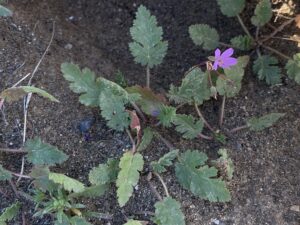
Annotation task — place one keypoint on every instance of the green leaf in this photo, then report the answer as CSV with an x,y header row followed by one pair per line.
x,y
258,124
230,85
133,222
266,68
231,8
168,212
41,179
68,183
146,139
242,42
91,192
120,79
4,174
5,11
9,213
82,82
76,220
194,88
165,161
130,165
293,68
262,13
199,179
225,163
40,153
104,173
186,125
166,115
204,35
148,47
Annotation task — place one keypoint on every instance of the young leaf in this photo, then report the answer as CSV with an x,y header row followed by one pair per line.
x,y
91,192
41,179
68,183
186,125
76,220
128,177
9,213
104,173
266,68
242,42
146,139
194,88
40,153
5,11
133,222
231,8
166,115
262,13
82,82
258,124
120,79
293,68
168,212
4,174
202,34
199,179
15,93
230,85
165,161
225,162
148,47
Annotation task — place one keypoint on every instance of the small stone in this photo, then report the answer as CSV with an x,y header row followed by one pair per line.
x,y
68,46
295,208
215,221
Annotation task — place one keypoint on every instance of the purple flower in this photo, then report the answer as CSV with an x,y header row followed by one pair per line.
x,y
224,60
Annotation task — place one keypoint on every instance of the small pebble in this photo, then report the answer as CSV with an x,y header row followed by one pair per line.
x,y
295,208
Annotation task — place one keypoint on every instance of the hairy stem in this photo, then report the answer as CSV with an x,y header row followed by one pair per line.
x,y
203,136
19,150
148,77
222,111
225,45
276,52
203,119
244,26
239,128
163,183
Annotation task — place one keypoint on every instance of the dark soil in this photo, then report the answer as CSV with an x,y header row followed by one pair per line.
x,y
95,34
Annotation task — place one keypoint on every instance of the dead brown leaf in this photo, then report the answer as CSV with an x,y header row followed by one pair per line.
x,y
297,20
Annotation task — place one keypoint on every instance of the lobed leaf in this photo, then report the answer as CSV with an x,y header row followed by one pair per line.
x,y
168,212
258,124
146,139
147,47
186,125
9,213
5,11
194,88
293,68
242,42
4,174
165,161
199,179
225,162
231,8
130,165
204,35
40,153
41,179
166,116
91,192
104,173
68,183
266,68
262,13
133,222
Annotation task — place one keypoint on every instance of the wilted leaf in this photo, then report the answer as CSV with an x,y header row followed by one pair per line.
x,y
242,42
68,183
262,13
104,173
199,179
5,11
4,174
258,124
204,35
297,20
168,212
130,165
148,47
9,213
146,139
165,161
166,115
187,126
293,68
231,8
40,153
266,68
135,123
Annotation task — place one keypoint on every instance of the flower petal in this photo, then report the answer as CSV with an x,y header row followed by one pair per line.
x,y
217,53
230,61
215,66
227,53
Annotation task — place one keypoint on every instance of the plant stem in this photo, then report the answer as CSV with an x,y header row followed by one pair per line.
x,y
244,26
21,175
139,111
163,183
202,117
222,111
225,45
166,142
132,141
238,129
153,189
276,52
20,150
13,186
205,137
148,77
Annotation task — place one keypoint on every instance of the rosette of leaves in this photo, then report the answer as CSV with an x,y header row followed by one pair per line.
x,y
200,179
293,68
148,47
